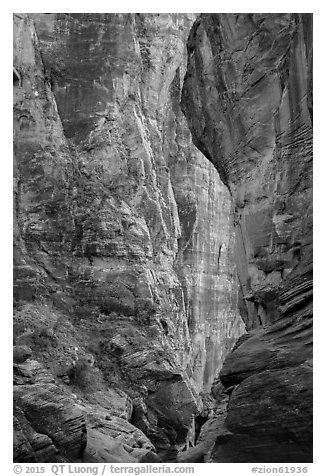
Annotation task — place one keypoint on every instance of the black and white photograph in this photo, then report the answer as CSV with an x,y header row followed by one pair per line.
x,y
162,241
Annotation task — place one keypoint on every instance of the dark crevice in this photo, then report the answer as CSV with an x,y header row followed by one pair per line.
x,y
16,78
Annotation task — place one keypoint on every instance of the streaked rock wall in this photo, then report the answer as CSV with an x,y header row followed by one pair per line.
x,y
248,101
119,248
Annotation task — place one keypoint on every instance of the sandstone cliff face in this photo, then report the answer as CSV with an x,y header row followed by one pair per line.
x,y
125,286
248,100
120,250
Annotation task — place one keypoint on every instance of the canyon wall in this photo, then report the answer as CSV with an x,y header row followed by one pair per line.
x,y
148,235
247,97
125,287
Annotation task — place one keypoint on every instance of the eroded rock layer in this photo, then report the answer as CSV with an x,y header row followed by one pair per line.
x,y
247,97
125,284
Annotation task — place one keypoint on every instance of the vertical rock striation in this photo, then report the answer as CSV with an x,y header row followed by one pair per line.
x,y
205,260
125,282
247,97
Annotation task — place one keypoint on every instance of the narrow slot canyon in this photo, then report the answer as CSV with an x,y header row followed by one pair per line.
x,y
162,238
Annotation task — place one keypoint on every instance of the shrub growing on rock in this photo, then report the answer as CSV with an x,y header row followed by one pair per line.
x,y
84,375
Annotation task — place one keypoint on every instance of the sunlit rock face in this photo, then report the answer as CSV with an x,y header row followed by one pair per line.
x,y
124,237
247,97
205,260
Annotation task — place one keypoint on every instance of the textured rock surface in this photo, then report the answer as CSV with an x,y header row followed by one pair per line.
x,y
49,421
248,101
125,283
274,410
53,424
252,130
114,440
205,260
125,287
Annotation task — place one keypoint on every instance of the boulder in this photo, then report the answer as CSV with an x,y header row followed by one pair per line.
x,y
53,413
21,353
113,440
